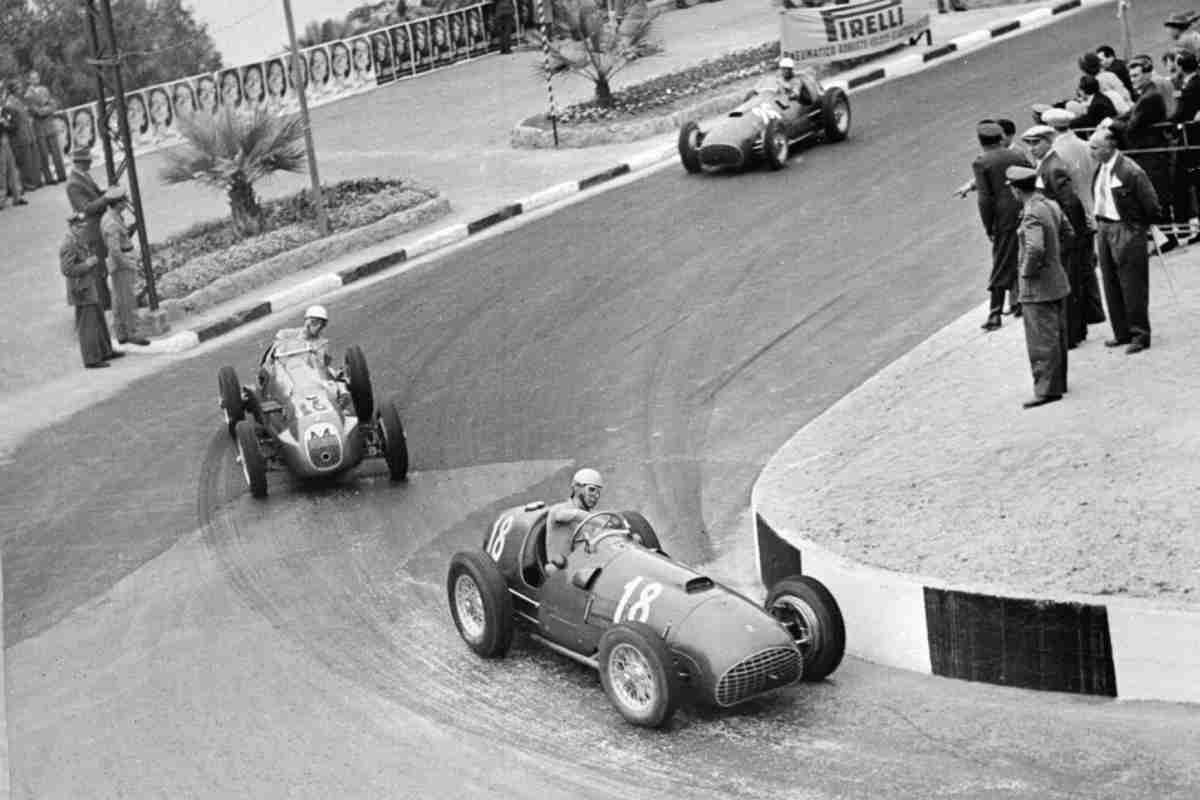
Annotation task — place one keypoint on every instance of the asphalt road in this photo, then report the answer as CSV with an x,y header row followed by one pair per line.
x,y
167,636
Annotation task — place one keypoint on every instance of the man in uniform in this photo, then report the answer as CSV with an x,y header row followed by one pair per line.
x,y
122,266
88,199
999,211
79,265
43,105
564,517
1043,232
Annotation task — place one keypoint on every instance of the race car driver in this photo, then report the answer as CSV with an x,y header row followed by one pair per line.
x,y
315,320
564,517
786,82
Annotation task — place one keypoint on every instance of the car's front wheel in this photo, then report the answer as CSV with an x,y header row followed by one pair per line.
x,y
254,466
359,379
638,674
689,146
775,145
395,446
480,603
810,613
836,113
232,404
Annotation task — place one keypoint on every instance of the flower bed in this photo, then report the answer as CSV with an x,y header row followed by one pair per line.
x,y
210,250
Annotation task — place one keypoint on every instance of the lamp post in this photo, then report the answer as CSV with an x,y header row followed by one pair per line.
x,y
315,179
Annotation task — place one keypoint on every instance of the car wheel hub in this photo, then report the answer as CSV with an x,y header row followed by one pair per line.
x,y
801,621
780,144
630,677
241,459
841,118
469,604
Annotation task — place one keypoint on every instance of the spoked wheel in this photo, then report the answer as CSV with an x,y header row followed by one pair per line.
x,y
810,613
837,115
775,145
638,674
480,603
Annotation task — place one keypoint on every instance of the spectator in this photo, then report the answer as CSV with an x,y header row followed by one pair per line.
x,y
87,198
1000,213
1110,84
43,106
1142,133
24,139
10,174
1097,106
1161,82
506,13
1183,36
1109,61
1043,231
1123,220
1186,162
122,266
81,268
1054,182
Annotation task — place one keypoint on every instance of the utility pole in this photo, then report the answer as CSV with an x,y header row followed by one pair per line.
x,y
1126,34
315,179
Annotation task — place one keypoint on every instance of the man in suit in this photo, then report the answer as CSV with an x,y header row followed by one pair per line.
x,y
1044,229
1000,213
1125,205
81,267
1109,61
1054,182
90,200
1187,165
506,19
1141,132
43,105
1097,106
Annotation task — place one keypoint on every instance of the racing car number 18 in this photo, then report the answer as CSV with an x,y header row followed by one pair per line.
x,y
639,611
500,531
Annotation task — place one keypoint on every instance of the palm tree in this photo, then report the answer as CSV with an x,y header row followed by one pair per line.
x,y
585,41
234,150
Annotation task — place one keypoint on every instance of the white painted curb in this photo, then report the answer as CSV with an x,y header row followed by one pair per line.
x,y
435,240
972,40
549,196
309,290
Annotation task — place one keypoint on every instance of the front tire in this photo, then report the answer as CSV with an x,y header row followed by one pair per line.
x,y
359,379
395,445
809,611
775,145
836,115
480,603
254,466
232,404
638,674
689,146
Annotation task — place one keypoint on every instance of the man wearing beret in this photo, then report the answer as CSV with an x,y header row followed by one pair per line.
x,y
1043,233
1000,213
1125,205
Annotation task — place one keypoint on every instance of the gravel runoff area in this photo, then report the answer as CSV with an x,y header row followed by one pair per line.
x,y
932,467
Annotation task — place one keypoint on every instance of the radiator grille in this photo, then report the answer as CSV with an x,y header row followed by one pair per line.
x,y
720,155
765,670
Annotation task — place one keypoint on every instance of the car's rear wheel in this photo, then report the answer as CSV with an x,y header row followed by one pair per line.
x,y
811,614
359,379
395,445
254,466
480,603
775,145
690,138
638,674
836,113
232,405
641,526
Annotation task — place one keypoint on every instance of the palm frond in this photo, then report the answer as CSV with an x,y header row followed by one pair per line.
x,y
235,145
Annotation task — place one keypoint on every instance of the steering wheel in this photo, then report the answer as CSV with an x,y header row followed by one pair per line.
x,y
580,536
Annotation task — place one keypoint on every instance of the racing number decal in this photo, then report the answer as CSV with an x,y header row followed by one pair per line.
x,y
638,611
499,533
767,113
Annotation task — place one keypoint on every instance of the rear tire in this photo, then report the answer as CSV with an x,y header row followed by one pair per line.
x,y
811,613
638,674
254,466
836,115
359,379
395,445
689,146
480,603
232,403
775,145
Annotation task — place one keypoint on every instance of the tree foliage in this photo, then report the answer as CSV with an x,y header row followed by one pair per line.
x,y
234,150
160,39
588,42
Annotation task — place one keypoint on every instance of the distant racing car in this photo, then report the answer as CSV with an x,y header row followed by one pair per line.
x,y
655,629
765,127
309,419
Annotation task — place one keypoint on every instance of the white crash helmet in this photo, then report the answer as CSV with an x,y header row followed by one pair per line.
x,y
316,312
587,477
786,63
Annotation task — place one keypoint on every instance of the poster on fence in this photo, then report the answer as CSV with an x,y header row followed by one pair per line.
x,y
841,31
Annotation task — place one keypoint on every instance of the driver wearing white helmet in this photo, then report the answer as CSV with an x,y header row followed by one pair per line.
x,y
786,82
315,320
564,517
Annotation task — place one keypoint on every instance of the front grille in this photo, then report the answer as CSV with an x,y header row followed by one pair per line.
x,y
720,155
325,451
765,670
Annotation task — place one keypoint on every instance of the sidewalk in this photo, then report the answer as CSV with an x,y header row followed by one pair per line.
x,y
463,150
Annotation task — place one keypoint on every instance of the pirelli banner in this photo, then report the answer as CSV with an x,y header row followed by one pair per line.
x,y
844,30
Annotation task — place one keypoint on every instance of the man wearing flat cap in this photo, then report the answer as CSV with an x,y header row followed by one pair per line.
x,y
1125,205
1000,213
1183,35
1043,285
88,198
80,266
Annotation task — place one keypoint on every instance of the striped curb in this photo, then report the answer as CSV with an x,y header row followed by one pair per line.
x,y
187,339
1079,644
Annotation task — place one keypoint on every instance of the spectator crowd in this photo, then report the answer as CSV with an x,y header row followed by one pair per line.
x,y
28,139
1104,178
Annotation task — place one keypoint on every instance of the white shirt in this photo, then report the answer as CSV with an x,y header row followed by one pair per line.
x,y
1105,205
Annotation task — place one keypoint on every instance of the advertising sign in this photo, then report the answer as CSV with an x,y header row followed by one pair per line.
x,y
842,31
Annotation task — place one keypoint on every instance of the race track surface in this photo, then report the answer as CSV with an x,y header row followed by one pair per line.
x,y
168,636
